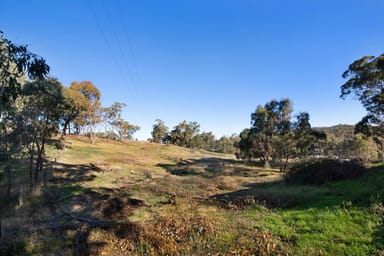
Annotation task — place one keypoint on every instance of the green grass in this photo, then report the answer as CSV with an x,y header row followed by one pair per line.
x,y
333,219
334,231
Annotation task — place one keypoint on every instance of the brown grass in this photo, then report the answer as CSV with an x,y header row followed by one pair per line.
x,y
159,198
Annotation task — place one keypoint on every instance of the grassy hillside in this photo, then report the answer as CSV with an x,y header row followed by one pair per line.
x,y
135,198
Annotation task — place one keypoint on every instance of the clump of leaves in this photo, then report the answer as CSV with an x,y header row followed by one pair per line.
x,y
262,243
171,234
325,171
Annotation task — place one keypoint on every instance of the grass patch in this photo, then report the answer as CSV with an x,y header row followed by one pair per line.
x,y
165,200
332,231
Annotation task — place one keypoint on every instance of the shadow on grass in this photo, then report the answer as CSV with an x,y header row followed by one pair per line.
x,y
62,215
281,194
211,167
358,202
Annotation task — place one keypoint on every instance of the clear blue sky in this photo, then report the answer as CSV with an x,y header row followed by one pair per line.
x,y
210,61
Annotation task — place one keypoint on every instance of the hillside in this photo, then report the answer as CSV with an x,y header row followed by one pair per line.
x,y
338,132
137,198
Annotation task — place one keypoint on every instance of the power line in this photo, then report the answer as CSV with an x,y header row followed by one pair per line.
x,y
119,44
107,42
130,47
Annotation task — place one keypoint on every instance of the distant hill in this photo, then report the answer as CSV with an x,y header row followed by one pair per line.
x,y
339,132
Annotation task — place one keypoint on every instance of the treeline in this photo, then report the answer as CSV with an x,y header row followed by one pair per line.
x,y
35,107
187,134
275,137
347,142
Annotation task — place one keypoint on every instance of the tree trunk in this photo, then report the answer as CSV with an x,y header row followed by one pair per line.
x,y
8,172
65,127
284,167
267,161
31,165
36,173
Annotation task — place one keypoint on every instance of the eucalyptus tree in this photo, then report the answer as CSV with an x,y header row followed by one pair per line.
x,y
74,105
182,134
366,81
122,128
17,64
88,120
275,137
204,140
42,111
159,132
268,123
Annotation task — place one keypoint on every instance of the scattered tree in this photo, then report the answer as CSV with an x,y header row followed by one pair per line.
x,y
41,114
268,123
90,118
227,145
74,105
205,141
159,132
182,134
366,81
17,65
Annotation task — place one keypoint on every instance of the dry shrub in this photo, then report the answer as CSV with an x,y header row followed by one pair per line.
x,y
171,234
164,235
264,244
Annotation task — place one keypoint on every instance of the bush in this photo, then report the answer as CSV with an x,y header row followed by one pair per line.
x,y
325,171
60,145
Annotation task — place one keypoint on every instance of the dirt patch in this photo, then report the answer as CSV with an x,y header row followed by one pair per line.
x,y
117,207
242,202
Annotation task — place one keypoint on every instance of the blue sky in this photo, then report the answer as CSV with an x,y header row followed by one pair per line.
x,y
209,61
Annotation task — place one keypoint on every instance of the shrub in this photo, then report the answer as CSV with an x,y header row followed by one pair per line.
x,y
324,171
60,145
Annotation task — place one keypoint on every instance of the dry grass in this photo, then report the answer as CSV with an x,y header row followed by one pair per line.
x,y
159,197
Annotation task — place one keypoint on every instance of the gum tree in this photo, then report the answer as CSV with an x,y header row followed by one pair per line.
x,y
366,82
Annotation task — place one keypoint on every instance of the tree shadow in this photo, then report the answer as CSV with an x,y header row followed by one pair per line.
x,y
351,194
211,167
280,194
66,210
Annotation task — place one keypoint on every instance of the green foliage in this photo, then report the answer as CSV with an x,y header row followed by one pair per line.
x,y
113,116
365,80
269,122
182,134
204,140
88,120
75,103
159,132
227,145
41,114
346,142
16,64
275,137
325,171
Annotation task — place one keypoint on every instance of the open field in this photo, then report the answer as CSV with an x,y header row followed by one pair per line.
x,y
136,198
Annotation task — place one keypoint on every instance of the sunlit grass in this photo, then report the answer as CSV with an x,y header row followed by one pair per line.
x,y
191,196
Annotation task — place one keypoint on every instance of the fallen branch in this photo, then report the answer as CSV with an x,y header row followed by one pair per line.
x,y
68,223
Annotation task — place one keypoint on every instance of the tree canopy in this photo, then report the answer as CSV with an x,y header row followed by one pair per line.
x,y
274,136
366,81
